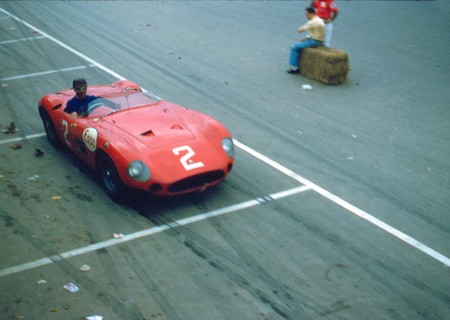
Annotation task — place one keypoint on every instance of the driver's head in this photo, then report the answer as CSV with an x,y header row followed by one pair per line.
x,y
80,87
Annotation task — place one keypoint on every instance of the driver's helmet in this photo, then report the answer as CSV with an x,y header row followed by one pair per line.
x,y
81,82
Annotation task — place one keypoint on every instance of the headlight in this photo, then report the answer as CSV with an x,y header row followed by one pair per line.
x,y
228,147
138,171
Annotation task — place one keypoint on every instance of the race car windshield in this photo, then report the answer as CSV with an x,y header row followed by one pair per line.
x,y
104,106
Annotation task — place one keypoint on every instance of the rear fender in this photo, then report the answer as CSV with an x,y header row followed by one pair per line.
x,y
51,103
126,85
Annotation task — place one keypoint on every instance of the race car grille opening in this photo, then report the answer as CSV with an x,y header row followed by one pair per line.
x,y
196,181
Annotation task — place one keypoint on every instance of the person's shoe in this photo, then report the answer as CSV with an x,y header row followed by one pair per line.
x,y
293,71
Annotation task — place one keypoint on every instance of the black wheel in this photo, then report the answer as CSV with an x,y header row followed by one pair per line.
x,y
110,179
49,127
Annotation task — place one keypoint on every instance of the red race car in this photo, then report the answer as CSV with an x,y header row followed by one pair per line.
x,y
136,140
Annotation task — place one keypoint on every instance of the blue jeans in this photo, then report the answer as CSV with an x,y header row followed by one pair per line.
x,y
296,50
328,33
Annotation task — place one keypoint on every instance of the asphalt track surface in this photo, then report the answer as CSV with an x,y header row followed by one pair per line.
x,y
337,208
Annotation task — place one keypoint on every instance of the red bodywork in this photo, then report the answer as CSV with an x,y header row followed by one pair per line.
x,y
182,148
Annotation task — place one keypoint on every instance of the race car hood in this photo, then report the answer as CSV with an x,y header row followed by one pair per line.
x,y
154,126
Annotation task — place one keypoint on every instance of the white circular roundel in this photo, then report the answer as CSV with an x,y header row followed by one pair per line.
x,y
90,138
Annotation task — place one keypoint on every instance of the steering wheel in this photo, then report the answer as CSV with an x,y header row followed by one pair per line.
x,y
100,102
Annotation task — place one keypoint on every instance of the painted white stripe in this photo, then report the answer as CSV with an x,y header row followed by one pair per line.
x,y
18,139
65,46
147,232
328,195
21,40
349,207
38,74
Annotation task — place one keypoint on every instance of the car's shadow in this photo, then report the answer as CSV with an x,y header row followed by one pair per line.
x,y
154,208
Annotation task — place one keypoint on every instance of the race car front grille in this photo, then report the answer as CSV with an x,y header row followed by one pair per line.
x,y
197,181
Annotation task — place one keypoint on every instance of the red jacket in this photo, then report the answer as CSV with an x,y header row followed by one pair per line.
x,y
325,8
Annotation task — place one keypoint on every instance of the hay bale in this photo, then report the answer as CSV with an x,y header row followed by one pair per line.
x,y
323,64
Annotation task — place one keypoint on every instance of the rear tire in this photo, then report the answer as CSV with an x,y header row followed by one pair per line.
x,y
49,127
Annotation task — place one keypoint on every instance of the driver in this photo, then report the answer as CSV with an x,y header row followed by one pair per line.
x,y
77,106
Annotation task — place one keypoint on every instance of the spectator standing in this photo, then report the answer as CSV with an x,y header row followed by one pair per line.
x,y
327,10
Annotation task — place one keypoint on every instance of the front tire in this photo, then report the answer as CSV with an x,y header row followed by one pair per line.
x,y
110,179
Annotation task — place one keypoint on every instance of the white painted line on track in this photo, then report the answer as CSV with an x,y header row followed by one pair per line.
x,y
18,139
38,74
150,231
328,195
349,207
65,46
21,40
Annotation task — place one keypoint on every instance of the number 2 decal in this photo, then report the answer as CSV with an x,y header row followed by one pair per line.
x,y
65,124
186,160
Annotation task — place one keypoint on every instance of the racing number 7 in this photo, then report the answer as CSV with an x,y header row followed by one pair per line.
x,y
186,160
